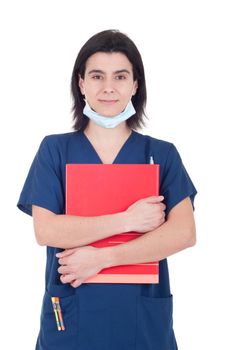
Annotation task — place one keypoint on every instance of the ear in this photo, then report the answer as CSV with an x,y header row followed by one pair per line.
x,y
135,87
81,85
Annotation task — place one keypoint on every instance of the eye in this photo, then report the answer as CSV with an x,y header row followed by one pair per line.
x,y
120,77
97,77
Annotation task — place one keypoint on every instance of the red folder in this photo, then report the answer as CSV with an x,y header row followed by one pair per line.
x,y
100,189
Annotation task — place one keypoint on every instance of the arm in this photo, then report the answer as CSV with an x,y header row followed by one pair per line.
x,y
67,231
176,234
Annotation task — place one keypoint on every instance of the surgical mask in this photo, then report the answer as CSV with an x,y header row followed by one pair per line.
x,y
109,122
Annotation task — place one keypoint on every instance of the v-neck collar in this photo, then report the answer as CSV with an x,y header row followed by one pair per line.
x,y
128,140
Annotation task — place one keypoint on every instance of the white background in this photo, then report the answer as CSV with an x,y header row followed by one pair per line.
x,y
186,48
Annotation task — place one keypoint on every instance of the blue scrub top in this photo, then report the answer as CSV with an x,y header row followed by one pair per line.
x,y
104,316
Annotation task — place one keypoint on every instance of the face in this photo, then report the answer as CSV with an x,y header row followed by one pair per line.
x,y
108,83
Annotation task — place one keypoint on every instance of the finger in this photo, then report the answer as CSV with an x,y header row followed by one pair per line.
x,y
76,283
154,199
67,278
65,270
161,206
63,261
162,221
66,252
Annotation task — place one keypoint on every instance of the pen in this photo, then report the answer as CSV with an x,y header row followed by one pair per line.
x,y
60,314
56,313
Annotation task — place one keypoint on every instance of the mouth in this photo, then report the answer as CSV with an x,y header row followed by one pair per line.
x,y
108,102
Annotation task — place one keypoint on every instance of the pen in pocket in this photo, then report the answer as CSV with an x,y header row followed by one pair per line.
x,y
58,313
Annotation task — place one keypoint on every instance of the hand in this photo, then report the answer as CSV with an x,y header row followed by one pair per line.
x,y
78,264
146,214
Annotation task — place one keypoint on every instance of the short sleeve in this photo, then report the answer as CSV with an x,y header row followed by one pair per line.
x,y
176,184
43,185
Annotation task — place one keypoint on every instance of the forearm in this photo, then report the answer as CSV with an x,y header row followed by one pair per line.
x,y
155,245
66,231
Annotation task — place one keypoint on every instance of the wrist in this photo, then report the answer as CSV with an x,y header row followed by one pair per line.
x,y
108,257
125,222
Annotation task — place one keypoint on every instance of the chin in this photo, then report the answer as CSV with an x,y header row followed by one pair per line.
x,y
108,112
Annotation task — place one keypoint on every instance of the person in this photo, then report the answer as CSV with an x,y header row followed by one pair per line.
x,y
109,98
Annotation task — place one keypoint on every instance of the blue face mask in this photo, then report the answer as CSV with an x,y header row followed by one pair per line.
x,y
109,122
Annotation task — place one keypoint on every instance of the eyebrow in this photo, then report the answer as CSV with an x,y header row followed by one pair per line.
x,y
115,72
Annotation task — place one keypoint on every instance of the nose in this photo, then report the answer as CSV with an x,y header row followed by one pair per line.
x,y
108,87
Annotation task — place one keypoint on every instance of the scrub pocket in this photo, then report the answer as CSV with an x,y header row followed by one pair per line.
x,y
50,338
154,324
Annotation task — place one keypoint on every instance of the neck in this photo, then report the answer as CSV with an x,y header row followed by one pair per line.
x,y
103,135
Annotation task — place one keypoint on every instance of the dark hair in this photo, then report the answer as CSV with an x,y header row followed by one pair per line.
x,y
109,41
